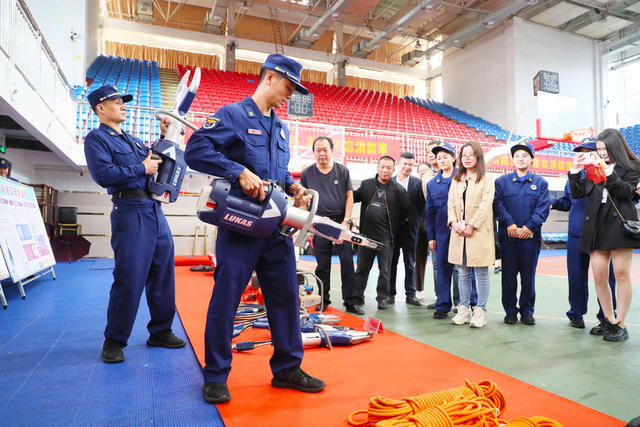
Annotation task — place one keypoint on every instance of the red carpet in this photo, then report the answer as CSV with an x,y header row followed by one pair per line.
x,y
390,365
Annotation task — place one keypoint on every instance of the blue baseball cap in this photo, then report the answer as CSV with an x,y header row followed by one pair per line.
x,y
287,66
588,143
524,145
4,163
106,92
444,146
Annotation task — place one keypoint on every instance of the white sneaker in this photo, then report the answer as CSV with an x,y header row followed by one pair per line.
x,y
479,319
463,316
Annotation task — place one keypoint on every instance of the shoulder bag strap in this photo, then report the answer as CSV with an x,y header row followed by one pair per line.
x,y
614,205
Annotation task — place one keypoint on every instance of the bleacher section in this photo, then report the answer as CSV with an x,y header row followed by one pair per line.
x,y
632,135
137,77
334,105
461,116
561,149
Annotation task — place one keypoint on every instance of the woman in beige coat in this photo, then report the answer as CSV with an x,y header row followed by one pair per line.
x,y
472,240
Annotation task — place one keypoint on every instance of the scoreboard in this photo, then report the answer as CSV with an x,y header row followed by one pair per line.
x,y
300,105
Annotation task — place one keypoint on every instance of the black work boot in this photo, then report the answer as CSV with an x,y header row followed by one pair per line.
x,y
112,352
165,339
298,379
216,393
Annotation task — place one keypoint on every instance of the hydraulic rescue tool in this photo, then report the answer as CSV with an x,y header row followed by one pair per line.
x,y
166,184
225,205
323,336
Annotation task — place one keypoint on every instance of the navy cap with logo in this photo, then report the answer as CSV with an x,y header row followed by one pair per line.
x,y
106,92
444,146
524,145
288,67
4,163
588,143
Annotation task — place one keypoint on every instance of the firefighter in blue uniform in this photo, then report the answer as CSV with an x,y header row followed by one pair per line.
x,y
140,236
5,170
521,205
578,262
438,232
246,143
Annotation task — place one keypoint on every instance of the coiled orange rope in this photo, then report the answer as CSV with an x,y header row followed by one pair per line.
x,y
534,422
476,412
382,408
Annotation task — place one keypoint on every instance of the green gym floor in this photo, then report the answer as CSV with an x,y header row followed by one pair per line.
x,y
551,355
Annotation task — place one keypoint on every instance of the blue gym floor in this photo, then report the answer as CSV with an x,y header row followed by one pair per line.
x,y
51,371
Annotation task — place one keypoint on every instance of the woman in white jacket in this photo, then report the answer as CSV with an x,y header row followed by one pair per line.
x,y
472,239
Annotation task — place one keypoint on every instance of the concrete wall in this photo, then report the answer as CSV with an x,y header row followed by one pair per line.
x,y
478,79
57,19
492,77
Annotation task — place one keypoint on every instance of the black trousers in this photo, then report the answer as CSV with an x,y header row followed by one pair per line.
x,y
365,262
422,252
407,243
323,249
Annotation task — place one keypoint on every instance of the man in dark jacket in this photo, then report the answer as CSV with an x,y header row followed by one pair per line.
x,y
408,233
384,205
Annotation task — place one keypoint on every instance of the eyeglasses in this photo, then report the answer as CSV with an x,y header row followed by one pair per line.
x,y
468,156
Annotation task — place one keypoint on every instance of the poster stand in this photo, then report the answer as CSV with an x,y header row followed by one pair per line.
x,y
25,246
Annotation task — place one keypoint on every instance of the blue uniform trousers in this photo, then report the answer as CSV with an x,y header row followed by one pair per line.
x,y
445,271
519,256
273,260
323,250
143,252
578,273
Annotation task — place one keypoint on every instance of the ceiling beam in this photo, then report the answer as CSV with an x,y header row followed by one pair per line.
x,y
531,11
502,14
581,21
306,36
594,14
364,48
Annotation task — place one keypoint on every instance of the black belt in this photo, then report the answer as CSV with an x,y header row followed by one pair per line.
x,y
131,194
337,219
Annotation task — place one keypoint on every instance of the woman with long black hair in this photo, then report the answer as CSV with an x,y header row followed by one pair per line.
x,y
602,234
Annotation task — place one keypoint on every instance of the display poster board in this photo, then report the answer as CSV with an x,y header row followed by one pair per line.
x,y
4,272
23,237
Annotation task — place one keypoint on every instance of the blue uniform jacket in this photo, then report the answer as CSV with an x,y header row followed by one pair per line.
x,y
436,211
238,137
115,159
521,201
575,208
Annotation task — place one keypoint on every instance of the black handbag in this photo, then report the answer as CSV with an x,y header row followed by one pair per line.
x,y
629,228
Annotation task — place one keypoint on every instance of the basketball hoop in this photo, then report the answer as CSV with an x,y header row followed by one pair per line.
x,y
574,137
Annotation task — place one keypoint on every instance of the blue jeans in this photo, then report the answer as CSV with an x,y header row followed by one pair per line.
x,y
482,284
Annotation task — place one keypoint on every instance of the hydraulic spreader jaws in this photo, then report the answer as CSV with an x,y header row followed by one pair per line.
x,y
228,206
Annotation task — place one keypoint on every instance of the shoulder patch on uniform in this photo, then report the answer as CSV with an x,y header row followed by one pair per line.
x,y
210,123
